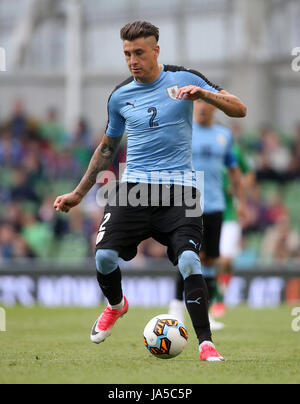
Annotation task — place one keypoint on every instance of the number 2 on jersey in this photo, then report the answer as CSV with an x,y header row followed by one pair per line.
x,y
153,111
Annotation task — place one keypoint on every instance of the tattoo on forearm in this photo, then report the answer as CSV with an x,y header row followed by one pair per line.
x,y
228,103
221,98
79,194
101,160
107,152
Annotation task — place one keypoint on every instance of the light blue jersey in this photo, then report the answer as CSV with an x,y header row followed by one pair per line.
x,y
212,149
158,126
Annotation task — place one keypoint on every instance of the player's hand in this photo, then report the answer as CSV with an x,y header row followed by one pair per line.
x,y
66,202
191,93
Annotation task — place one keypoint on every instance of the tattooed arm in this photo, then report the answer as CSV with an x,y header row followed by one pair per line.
x,y
226,102
102,159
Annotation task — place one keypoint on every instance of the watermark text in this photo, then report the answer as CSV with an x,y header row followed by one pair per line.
x,y
296,322
296,61
2,320
157,188
2,60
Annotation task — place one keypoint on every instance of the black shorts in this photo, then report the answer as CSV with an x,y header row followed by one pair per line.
x,y
123,228
212,224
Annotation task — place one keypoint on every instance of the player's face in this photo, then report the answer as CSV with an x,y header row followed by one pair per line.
x,y
203,112
141,57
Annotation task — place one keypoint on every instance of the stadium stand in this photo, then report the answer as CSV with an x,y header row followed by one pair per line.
x,y
39,160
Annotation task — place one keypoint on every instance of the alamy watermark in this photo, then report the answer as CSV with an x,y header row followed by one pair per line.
x,y
296,61
153,189
2,60
296,322
2,320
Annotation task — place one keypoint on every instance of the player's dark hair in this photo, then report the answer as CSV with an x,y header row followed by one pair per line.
x,y
139,29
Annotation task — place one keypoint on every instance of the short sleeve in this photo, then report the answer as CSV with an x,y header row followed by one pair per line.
x,y
201,81
116,122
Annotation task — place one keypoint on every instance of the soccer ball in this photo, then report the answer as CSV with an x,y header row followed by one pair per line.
x,y
165,336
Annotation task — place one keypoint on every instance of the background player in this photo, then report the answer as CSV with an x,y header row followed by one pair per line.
x,y
231,232
155,107
212,151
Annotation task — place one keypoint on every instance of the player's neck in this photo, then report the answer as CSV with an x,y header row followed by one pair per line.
x,y
153,76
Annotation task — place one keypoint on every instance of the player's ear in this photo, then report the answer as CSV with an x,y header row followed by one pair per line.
x,y
157,50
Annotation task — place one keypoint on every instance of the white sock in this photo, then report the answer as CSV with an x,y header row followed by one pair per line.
x,y
205,343
118,306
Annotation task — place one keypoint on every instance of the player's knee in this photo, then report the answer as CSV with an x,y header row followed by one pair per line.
x,y
107,261
189,264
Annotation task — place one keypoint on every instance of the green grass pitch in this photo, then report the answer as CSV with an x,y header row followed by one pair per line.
x,y
44,345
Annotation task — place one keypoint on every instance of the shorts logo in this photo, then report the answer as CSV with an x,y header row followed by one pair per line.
x,y
193,242
172,91
197,301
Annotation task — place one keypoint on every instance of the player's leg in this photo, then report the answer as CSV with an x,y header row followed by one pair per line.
x,y
183,236
110,281
186,255
177,305
121,230
196,293
230,245
109,275
197,303
210,252
208,255
210,274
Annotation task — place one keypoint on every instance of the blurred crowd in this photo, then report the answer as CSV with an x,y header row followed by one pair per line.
x,y
39,160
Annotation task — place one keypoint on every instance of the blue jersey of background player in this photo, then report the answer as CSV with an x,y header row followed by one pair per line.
x,y
155,108
212,150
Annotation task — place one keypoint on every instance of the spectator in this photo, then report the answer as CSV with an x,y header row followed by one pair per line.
x,y
52,130
280,242
19,124
276,209
257,218
11,150
82,144
21,249
67,166
273,160
22,189
295,160
7,237
82,134
37,234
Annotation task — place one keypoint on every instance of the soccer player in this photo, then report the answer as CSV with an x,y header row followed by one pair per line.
x,y
231,232
155,108
212,151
